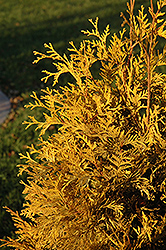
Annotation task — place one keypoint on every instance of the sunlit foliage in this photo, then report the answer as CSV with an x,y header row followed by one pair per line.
x,y
100,182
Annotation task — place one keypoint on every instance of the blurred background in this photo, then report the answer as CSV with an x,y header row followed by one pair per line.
x,y
24,27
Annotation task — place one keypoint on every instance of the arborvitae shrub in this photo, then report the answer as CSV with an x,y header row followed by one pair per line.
x,y
100,182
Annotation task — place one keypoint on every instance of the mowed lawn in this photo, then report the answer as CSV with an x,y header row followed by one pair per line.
x,y
26,25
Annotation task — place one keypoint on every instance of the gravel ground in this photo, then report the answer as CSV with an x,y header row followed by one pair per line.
x,y
5,107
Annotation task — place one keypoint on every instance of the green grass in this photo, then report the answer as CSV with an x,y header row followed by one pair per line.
x,y
27,25
24,27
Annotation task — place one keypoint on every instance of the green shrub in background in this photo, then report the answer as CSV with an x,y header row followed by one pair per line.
x,y
99,183
13,140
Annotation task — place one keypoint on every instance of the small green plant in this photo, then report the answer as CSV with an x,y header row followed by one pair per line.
x,y
100,182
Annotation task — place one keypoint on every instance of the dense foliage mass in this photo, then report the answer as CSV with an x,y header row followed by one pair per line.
x,y
25,25
100,182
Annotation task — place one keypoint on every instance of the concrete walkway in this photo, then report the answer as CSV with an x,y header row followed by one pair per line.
x,y
5,107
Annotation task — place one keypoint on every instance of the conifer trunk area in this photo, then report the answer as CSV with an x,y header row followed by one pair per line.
x,y
99,182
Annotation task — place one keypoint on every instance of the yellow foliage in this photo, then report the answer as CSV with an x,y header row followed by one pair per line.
x,y
99,183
